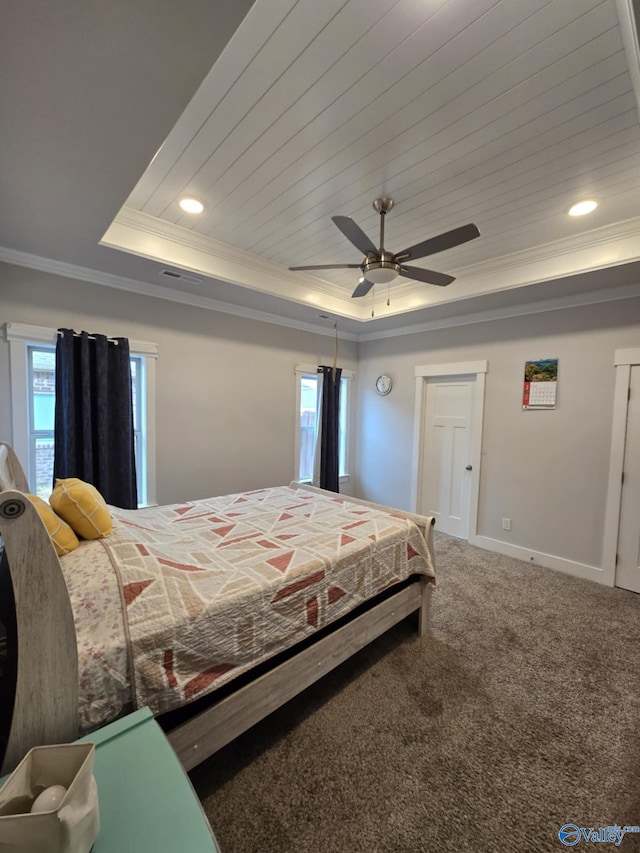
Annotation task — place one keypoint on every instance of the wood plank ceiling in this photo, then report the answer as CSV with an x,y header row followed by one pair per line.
x,y
498,112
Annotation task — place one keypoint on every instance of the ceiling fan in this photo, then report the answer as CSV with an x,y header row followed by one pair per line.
x,y
381,266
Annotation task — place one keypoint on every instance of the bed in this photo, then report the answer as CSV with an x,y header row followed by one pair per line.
x,y
213,613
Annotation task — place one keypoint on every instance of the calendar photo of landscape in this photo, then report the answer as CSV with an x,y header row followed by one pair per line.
x,y
545,370
540,383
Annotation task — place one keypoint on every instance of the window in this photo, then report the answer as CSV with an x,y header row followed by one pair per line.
x,y
33,359
306,410
139,429
41,363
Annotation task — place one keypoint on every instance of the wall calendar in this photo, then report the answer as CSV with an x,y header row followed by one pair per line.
x,y
540,384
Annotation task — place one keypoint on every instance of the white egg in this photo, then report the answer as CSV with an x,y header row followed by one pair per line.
x,y
49,799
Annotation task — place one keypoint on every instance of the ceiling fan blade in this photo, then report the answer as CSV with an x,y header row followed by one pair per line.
x,y
362,289
438,244
355,235
329,267
428,276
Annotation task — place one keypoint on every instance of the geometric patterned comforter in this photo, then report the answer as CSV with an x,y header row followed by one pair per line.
x,y
213,587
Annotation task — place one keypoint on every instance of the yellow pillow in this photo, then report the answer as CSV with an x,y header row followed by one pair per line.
x,y
62,536
83,507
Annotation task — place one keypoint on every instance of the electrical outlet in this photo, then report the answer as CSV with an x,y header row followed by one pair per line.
x,y
506,524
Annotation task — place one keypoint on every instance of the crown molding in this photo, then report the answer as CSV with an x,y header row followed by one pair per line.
x,y
145,235
612,294
23,259
627,229
149,237
588,244
65,270
153,226
593,251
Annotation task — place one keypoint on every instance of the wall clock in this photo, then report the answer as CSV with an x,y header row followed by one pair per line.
x,y
383,384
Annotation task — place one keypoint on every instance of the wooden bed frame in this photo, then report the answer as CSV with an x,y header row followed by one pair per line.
x,y
45,707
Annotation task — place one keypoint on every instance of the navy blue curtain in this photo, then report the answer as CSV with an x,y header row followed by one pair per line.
x,y
94,437
330,428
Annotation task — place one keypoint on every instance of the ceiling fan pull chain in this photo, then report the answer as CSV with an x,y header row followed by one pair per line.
x,y
388,293
373,302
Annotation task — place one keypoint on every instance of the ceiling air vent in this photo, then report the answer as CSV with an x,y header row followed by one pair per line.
x,y
181,276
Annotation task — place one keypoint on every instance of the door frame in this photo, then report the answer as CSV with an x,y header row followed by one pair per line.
x,y
450,371
624,360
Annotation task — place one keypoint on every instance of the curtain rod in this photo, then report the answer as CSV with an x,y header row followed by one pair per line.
x,y
91,337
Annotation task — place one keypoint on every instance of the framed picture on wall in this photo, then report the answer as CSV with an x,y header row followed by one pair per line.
x,y
540,384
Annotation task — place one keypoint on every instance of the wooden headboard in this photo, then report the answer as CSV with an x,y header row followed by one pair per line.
x,y
12,475
46,654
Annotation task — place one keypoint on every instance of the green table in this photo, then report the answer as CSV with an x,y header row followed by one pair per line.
x,y
146,799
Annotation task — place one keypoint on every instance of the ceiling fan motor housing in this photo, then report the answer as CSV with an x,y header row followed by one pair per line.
x,y
381,271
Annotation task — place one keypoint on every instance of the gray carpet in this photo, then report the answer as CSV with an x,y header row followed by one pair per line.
x,y
519,714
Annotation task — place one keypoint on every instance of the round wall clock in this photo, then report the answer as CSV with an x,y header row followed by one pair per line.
x,y
383,384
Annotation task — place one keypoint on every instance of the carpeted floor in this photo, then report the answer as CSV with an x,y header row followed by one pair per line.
x,y
519,714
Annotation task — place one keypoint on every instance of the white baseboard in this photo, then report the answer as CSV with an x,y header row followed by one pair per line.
x,y
569,567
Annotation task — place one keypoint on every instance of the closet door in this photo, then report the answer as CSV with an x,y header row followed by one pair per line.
x,y
628,565
446,473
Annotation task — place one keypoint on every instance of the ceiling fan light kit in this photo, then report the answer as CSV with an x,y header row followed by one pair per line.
x,y
381,272
381,266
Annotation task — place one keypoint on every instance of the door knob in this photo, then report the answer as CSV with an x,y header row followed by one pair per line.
x,y
469,467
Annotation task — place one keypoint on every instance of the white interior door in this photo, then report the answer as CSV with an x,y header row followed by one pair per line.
x,y
628,565
446,456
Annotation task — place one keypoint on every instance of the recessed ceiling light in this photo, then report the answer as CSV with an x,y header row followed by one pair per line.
x,y
191,205
583,207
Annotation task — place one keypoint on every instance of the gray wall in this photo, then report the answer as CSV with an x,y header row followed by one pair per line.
x,y
225,385
546,470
